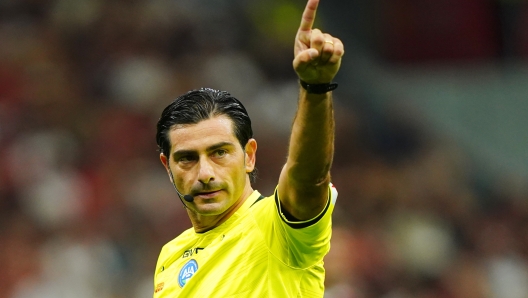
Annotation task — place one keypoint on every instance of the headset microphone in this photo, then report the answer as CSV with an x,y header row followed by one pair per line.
x,y
187,198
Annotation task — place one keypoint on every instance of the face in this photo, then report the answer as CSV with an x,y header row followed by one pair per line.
x,y
208,162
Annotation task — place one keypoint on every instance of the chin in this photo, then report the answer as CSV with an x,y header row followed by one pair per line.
x,y
211,209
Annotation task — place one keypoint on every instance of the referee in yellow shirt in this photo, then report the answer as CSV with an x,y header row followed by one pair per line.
x,y
243,244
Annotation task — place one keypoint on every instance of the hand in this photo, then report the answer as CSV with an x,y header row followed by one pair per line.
x,y
317,54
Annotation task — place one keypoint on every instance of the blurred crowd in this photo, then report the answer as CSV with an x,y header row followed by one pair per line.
x,y
85,205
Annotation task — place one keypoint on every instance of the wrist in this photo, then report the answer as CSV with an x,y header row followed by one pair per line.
x,y
318,88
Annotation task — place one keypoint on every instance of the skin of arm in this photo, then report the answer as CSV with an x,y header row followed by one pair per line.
x,y
303,182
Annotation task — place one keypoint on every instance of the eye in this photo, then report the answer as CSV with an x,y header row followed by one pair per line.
x,y
220,153
186,159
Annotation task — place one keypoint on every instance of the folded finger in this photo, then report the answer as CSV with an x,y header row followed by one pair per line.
x,y
317,39
328,48
338,51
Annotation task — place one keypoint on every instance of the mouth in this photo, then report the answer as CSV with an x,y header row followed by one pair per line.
x,y
208,194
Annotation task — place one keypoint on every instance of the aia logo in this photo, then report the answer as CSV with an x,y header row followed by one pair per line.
x,y
187,271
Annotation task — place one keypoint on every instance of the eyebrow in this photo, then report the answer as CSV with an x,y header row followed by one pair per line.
x,y
208,149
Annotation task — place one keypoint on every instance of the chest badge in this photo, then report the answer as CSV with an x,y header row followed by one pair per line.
x,y
187,271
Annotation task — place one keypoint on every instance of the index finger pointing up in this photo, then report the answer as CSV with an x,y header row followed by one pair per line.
x,y
308,16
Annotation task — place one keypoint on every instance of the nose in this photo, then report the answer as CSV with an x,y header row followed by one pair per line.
x,y
205,171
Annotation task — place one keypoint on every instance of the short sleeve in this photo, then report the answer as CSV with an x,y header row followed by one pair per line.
x,y
299,244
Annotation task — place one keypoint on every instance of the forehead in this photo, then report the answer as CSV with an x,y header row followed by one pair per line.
x,y
201,135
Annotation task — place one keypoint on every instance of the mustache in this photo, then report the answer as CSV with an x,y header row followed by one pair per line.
x,y
209,187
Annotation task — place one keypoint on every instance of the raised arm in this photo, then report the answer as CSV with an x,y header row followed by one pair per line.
x,y
303,183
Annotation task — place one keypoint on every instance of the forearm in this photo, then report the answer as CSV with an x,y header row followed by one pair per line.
x,y
311,146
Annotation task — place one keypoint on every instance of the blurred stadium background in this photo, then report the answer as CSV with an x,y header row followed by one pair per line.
x,y
431,153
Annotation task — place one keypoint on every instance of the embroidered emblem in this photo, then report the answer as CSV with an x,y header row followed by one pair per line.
x,y
159,287
187,271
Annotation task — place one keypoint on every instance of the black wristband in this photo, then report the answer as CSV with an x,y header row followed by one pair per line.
x,y
318,88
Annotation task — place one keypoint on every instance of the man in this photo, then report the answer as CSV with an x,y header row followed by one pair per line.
x,y
243,244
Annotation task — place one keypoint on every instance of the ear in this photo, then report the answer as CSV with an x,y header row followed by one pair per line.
x,y
251,155
165,162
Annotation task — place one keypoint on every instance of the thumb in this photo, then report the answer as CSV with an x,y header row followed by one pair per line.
x,y
304,58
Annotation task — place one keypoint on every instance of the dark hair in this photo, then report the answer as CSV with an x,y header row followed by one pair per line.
x,y
198,105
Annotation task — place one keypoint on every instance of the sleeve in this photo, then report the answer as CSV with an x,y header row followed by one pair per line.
x,y
299,244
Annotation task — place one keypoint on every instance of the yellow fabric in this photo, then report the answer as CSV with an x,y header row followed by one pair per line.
x,y
255,253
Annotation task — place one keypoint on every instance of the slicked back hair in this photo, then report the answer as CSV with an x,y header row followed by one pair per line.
x,y
202,104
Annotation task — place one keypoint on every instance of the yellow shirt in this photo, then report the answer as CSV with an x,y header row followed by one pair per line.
x,y
257,252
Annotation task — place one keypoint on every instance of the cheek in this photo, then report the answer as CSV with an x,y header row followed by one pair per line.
x,y
234,171
238,172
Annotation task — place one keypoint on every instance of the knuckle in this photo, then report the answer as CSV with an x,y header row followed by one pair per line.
x,y
318,39
328,50
317,42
